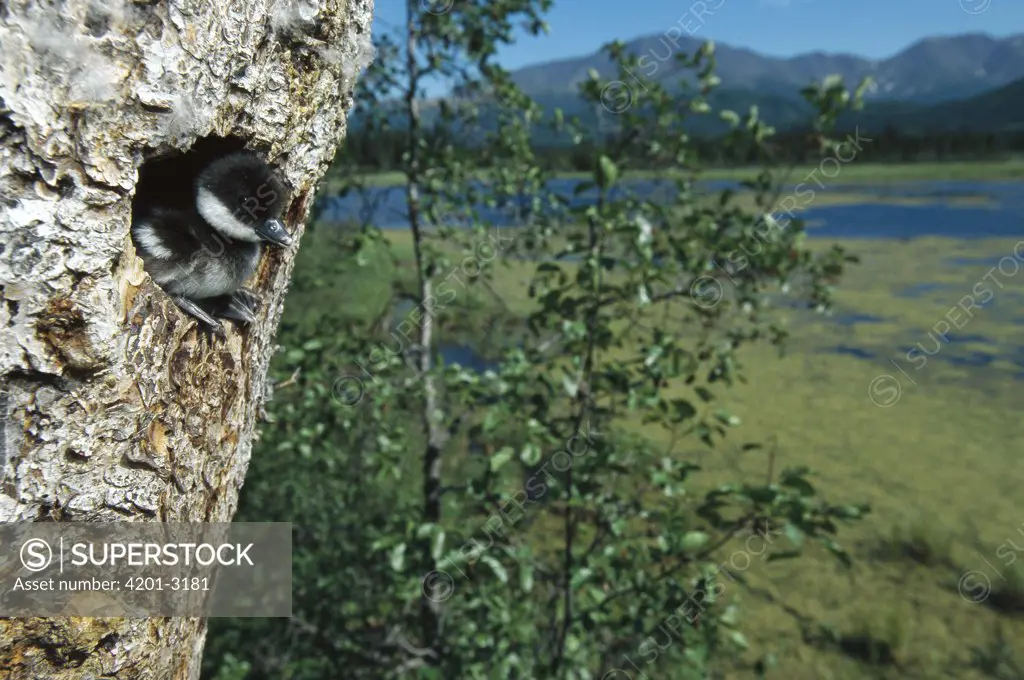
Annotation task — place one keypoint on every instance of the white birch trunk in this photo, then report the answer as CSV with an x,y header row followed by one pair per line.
x,y
113,404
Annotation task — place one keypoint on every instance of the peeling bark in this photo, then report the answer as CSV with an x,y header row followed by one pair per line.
x,y
113,404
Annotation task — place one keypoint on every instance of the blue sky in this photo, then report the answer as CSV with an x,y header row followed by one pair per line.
x,y
871,28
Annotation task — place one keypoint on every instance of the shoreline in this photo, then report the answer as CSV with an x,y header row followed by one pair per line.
x,y
867,173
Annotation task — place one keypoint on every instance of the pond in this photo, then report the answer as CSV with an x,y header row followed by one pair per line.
x,y
467,357
1004,218
941,464
386,208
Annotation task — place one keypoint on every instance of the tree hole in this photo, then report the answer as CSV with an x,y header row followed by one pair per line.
x,y
201,222
170,180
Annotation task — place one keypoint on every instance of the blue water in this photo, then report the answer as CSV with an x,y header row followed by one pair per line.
x,y
854,318
973,261
919,290
972,359
1005,218
970,338
386,208
876,221
466,357
858,352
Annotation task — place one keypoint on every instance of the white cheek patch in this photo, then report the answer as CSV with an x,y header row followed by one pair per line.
x,y
223,219
151,242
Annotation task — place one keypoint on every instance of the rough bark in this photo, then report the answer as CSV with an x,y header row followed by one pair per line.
x,y
113,404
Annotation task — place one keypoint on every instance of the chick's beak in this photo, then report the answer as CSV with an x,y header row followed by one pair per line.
x,y
273,231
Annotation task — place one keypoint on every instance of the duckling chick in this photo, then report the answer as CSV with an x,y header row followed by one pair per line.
x,y
202,253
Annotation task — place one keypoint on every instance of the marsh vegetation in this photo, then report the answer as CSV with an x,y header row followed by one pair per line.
x,y
801,467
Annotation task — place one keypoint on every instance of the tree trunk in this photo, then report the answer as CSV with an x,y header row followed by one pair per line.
x,y
114,405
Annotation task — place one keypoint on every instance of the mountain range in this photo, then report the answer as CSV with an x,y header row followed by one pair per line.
x,y
968,82
929,71
971,83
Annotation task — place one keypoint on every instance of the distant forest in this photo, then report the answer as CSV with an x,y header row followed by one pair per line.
x,y
381,151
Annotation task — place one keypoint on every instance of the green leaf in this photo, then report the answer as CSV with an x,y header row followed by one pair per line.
x,y
580,577
704,394
794,534
783,555
530,454
582,188
847,512
739,639
682,410
491,421
426,529
437,546
726,418
699,106
526,578
501,457
831,81
799,483
607,172
839,552
397,557
862,88
571,385
496,567
694,540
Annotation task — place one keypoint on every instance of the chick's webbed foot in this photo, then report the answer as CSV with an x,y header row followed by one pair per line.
x,y
192,308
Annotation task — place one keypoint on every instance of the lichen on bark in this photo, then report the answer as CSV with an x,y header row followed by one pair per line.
x,y
113,404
